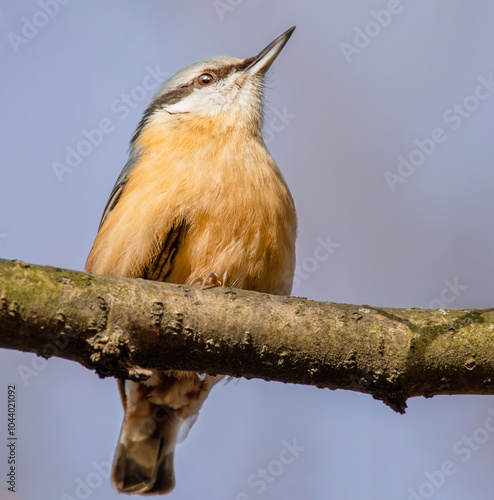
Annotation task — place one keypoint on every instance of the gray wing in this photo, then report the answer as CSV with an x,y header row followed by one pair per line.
x,y
161,264
119,185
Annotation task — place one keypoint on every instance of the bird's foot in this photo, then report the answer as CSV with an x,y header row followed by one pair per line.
x,y
212,279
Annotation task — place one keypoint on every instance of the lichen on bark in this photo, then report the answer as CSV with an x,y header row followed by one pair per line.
x,y
125,327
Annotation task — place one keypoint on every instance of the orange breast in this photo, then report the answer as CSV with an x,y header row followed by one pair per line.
x,y
220,180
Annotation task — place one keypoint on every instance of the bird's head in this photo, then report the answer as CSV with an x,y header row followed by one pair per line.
x,y
214,86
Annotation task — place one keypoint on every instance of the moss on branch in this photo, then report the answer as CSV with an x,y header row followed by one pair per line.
x,y
124,327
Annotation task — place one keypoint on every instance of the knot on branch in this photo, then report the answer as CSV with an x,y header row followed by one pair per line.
x,y
112,355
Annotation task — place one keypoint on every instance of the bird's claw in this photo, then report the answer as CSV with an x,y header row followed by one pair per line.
x,y
212,279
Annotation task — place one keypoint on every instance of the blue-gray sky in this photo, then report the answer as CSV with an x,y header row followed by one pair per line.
x,y
386,143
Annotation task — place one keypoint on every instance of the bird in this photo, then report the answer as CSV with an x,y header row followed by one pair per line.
x,y
201,202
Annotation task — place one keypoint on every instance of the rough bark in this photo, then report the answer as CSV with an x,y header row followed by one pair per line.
x,y
124,327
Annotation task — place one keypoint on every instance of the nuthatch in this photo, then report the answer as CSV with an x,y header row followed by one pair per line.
x,y
200,200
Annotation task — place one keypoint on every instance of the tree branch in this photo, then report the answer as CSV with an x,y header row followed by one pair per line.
x,y
124,327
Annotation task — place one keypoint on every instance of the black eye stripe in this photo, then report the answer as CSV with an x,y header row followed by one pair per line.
x,y
182,91
225,71
232,68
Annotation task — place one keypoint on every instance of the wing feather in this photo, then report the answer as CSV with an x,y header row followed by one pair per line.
x,y
120,184
162,265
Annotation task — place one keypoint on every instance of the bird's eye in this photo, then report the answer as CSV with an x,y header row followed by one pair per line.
x,y
205,79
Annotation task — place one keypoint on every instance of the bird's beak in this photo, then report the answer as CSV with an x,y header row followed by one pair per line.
x,y
265,58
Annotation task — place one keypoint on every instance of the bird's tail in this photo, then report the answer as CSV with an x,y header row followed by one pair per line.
x,y
144,457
